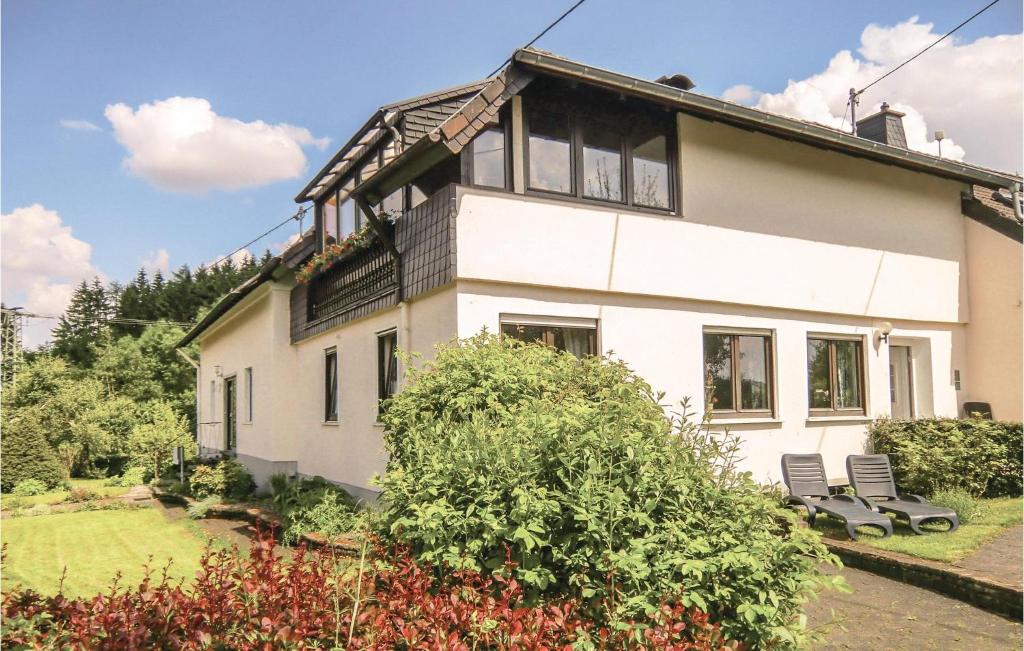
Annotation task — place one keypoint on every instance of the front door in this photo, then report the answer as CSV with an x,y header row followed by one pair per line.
x,y
230,413
901,382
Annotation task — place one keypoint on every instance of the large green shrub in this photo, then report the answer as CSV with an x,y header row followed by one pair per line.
x,y
980,456
24,455
312,505
572,470
228,478
28,488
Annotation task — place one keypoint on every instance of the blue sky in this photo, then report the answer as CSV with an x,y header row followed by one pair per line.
x,y
324,66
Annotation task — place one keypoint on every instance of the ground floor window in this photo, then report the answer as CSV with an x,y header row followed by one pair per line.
x,y
577,336
331,385
387,366
738,375
230,413
835,375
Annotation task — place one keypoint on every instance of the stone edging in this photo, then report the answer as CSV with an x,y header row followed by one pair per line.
x,y
956,582
261,517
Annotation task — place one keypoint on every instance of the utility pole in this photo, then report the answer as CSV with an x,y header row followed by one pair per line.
x,y
854,101
10,343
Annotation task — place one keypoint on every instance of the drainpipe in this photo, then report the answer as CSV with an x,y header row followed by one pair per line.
x,y
195,365
1015,192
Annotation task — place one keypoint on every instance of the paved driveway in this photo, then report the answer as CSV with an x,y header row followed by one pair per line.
x,y
886,614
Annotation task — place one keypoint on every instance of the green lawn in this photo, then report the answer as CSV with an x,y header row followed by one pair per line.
x,y
94,546
56,497
998,514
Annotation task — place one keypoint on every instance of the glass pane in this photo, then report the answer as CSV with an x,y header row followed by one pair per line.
x,y
331,386
650,171
602,163
550,153
753,372
489,159
329,210
348,217
718,371
393,202
818,375
578,341
848,393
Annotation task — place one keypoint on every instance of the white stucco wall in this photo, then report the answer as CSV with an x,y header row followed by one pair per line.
x,y
661,339
995,334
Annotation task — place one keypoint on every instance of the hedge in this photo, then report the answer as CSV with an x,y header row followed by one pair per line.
x,y
930,454
25,454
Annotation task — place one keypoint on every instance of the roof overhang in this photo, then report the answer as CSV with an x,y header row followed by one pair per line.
x,y
748,118
233,298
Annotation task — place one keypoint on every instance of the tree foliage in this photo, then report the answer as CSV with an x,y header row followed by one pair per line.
x,y
26,455
153,440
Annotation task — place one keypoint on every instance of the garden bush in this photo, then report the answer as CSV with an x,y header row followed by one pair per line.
x,y
980,456
312,505
82,494
29,487
227,478
572,469
967,506
25,454
132,476
263,601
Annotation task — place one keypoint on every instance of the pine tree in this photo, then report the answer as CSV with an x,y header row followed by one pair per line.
x,y
83,325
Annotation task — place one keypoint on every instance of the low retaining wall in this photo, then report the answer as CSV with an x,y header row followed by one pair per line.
x,y
256,516
956,582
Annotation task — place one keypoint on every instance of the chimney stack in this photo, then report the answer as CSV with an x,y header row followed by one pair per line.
x,y
885,127
680,81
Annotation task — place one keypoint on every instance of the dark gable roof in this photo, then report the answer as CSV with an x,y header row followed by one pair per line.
x,y
446,121
993,209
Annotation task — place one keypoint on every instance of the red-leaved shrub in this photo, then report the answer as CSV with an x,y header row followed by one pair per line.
x,y
314,600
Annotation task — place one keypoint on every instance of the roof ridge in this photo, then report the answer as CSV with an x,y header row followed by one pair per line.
x,y
431,97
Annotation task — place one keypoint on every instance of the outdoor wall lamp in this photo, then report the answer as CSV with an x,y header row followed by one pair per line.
x,y
884,329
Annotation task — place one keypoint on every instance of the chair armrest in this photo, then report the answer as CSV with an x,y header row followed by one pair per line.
x,y
868,502
802,501
910,497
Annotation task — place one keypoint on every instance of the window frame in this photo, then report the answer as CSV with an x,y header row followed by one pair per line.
x,y
467,158
577,117
734,334
382,378
582,323
248,375
328,416
833,364
230,420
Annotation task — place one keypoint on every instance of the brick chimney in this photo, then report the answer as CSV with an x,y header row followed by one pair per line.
x,y
885,127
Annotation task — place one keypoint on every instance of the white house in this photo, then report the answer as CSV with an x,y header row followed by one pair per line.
x,y
814,278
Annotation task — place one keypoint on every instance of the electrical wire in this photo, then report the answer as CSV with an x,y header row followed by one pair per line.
x,y
298,215
538,36
944,37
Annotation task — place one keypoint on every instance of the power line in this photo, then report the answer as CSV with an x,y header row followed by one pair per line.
x,y
538,36
851,103
944,37
296,217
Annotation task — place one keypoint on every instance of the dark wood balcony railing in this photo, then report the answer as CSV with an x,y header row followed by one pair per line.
x,y
361,277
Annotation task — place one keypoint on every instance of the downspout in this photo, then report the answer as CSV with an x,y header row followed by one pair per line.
x,y
195,365
1016,194
404,327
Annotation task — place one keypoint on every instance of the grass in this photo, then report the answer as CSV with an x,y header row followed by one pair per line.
x,y
996,516
94,546
56,497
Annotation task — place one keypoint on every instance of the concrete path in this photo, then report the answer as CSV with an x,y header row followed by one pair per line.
x,y
885,614
1002,558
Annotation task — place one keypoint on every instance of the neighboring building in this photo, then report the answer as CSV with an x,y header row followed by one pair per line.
x,y
814,278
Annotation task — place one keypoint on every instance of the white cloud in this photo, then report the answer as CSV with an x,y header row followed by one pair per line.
x,y
157,261
972,91
79,125
180,144
42,263
279,247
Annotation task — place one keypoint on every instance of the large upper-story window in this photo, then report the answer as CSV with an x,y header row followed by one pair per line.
x,y
487,161
610,158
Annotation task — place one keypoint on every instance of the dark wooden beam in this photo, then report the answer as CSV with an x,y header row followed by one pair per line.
x,y
385,239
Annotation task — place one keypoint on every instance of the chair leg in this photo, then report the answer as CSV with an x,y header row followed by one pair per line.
x,y
886,528
851,530
954,524
915,525
812,515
